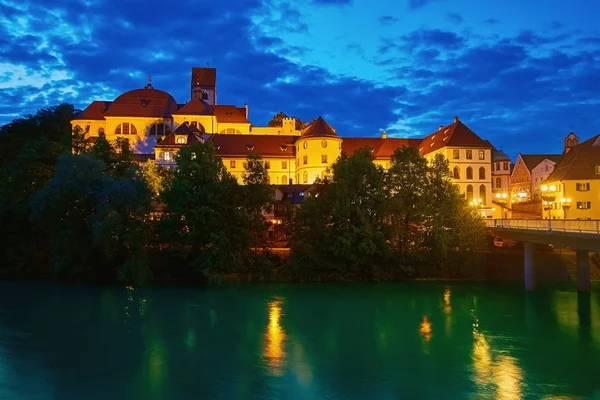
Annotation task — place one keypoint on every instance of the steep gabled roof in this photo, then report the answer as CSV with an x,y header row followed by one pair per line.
x,y
195,107
456,134
204,76
193,136
232,114
94,111
263,145
533,160
319,128
579,162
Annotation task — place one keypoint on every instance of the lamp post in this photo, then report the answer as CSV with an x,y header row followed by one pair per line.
x,y
502,198
548,195
566,204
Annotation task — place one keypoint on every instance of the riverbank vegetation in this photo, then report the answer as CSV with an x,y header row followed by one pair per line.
x,y
87,211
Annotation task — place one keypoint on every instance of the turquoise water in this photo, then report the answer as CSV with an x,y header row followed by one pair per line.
x,y
358,341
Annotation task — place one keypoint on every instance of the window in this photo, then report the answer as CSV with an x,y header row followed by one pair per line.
x,y
230,131
101,132
284,180
469,154
125,129
582,187
482,193
323,158
305,177
481,154
267,164
506,166
456,173
469,173
232,164
455,154
160,129
305,145
284,165
498,183
469,193
181,140
323,143
497,166
584,205
492,167
305,160
481,173
204,95
167,156
597,168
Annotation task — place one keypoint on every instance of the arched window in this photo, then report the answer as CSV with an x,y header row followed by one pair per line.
x,y
481,173
101,132
469,193
160,129
230,131
482,192
469,173
456,173
305,177
180,140
498,183
284,180
125,129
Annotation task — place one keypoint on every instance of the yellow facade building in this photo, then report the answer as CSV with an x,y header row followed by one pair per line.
x,y
158,127
572,190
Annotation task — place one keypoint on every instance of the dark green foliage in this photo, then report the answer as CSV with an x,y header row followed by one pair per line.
x,y
277,120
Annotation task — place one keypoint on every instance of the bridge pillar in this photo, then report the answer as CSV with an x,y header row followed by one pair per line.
x,y
530,278
583,270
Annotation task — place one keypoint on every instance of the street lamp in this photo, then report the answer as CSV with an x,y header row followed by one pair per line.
x,y
566,204
502,198
548,195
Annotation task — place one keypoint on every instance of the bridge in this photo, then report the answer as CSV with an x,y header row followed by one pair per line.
x,y
581,235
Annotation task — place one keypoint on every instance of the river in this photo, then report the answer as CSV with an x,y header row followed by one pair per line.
x,y
351,341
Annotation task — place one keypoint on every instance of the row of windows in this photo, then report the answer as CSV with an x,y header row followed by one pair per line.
x,y
323,145
284,164
283,179
469,155
305,159
505,166
456,173
305,176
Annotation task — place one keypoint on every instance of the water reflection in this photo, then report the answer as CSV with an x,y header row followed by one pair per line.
x,y
275,336
447,305
508,377
425,329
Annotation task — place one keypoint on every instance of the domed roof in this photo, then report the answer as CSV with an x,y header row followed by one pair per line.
x,y
499,155
147,102
319,128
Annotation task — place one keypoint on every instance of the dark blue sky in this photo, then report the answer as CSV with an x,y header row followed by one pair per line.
x,y
519,73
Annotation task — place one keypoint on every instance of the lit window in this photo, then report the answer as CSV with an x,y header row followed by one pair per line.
x,y
284,165
324,159
597,168
469,154
167,156
455,154
481,155
125,129
582,187
181,140
232,164
305,161
284,180
584,205
305,177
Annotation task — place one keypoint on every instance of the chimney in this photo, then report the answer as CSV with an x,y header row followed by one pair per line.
x,y
246,107
441,127
456,119
384,135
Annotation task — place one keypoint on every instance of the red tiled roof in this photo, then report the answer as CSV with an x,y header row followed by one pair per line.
x,y
195,107
204,76
192,133
533,160
579,163
263,145
151,103
94,111
382,148
233,114
456,134
319,128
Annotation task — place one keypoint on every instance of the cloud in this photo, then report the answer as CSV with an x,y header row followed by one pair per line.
x,y
387,20
332,2
491,21
454,18
416,4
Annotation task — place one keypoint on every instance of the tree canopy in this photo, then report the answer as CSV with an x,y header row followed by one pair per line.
x,y
277,120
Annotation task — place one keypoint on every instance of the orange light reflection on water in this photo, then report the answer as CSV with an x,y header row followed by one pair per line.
x,y
425,329
275,337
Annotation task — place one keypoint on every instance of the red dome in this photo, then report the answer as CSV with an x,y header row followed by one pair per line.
x,y
149,103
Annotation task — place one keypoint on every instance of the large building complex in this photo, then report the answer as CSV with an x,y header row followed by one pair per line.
x,y
157,127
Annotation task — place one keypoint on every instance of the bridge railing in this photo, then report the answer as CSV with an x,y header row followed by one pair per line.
x,y
565,225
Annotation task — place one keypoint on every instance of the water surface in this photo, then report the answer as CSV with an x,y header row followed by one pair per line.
x,y
358,341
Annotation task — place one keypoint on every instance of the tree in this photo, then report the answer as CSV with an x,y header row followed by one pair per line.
x,y
205,220
342,225
277,120
258,194
156,177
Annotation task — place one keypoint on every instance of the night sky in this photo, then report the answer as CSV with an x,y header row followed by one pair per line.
x,y
519,73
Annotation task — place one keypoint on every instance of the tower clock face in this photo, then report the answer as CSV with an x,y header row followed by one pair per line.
x,y
323,143
305,145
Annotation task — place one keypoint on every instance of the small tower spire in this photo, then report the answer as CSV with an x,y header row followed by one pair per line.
x,y
149,85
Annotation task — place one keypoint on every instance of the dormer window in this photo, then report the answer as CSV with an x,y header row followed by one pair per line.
x,y
250,147
145,103
283,147
228,114
180,140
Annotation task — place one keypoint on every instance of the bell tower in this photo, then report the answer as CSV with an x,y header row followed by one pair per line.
x,y
204,84
570,141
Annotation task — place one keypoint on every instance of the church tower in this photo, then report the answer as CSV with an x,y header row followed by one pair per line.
x,y
204,85
570,141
